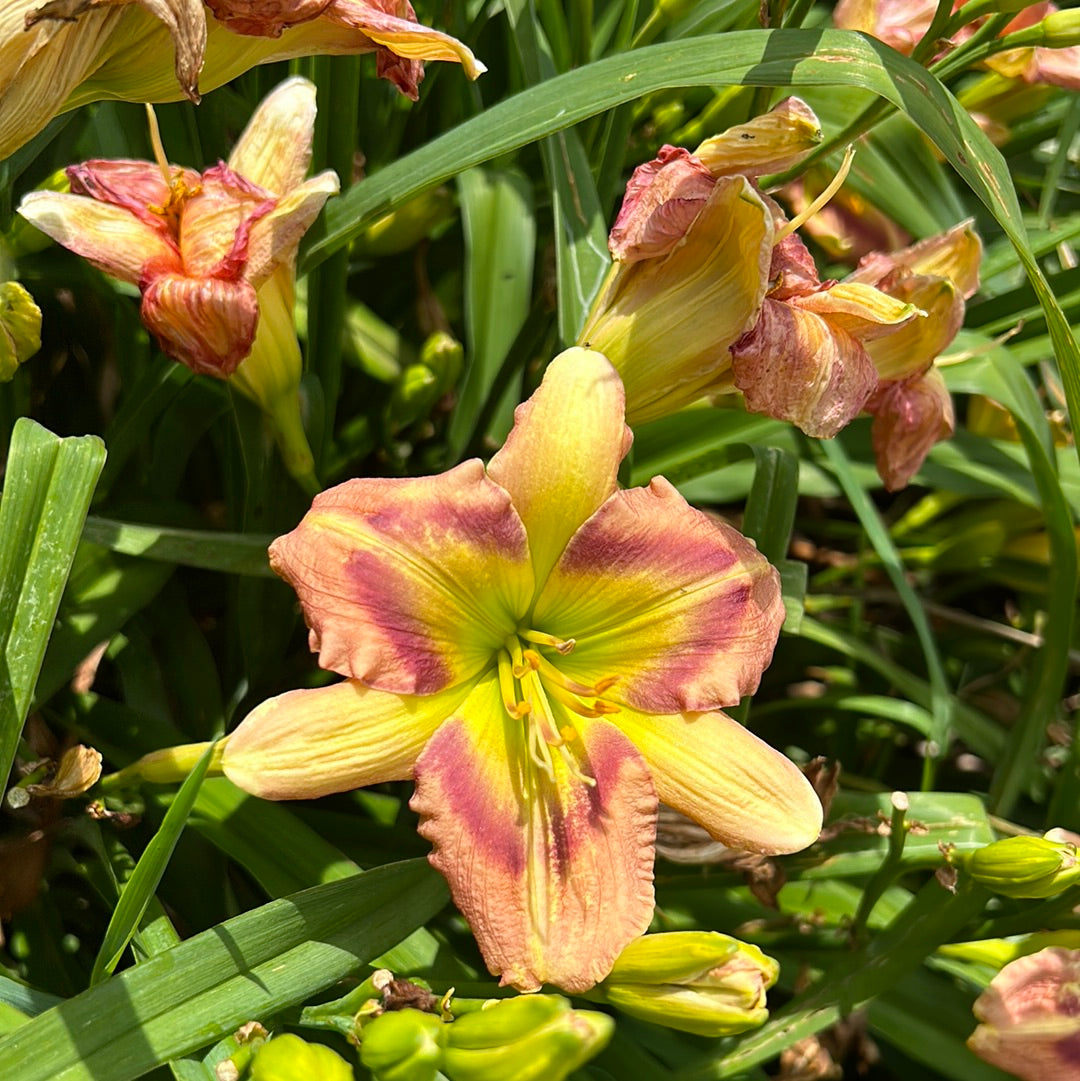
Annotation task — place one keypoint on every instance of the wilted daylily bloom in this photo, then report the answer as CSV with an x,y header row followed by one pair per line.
x,y
56,56
1030,1017
805,359
213,254
911,406
903,23
548,656
692,245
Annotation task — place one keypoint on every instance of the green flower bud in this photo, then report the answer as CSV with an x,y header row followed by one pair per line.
x,y
415,392
404,1045
1023,866
1058,30
695,981
406,226
445,356
289,1058
20,328
529,1038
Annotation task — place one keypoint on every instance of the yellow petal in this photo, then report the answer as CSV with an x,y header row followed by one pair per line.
x,y
310,743
769,143
745,793
561,458
861,310
274,150
554,874
111,238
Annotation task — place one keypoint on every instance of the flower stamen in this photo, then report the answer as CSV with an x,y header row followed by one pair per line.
x,y
540,638
835,185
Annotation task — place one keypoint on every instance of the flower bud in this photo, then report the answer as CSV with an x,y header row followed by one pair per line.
x,y
1024,866
406,226
404,1045
20,328
529,1038
289,1058
695,981
1029,1017
445,356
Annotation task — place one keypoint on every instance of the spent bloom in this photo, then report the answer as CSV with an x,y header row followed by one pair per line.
x,y
1030,1017
903,24
59,55
692,245
548,656
910,405
213,254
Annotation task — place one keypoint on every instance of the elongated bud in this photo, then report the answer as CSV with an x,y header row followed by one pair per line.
x,y
530,1038
289,1058
406,226
1059,30
404,1045
695,981
1024,866
20,328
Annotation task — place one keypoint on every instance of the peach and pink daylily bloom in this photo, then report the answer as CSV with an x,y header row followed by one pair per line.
x,y
1030,1017
547,655
198,246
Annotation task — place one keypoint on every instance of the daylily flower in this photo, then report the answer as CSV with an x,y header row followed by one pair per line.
x,y
213,254
59,55
911,405
805,360
903,23
547,656
1029,1017
692,245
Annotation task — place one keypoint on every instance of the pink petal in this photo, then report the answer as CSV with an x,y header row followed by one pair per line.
x,y
137,186
560,460
795,366
553,874
309,743
682,609
215,224
745,793
205,323
910,416
410,585
662,198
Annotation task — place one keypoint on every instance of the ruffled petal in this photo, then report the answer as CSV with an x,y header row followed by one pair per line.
x,y
662,198
715,771
553,874
111,238
560,460
216,224
309,743
137,186
274,150
410,585
769,143
400,35
206,323
911,349
794,365
955,254
683,609
860,310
